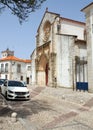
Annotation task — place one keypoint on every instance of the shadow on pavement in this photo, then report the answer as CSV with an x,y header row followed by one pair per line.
x,y
32,107
5,111
24,108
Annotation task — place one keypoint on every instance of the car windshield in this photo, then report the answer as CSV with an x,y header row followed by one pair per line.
x,y
15,83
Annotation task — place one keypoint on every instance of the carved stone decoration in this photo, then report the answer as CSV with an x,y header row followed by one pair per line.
x,y
47,28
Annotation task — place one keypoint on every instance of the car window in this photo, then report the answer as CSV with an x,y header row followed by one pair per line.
x,y
15,83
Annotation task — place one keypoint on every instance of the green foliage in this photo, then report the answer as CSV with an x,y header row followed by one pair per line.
x,y
21,8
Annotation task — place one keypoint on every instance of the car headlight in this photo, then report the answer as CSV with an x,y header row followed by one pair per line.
x,y
10,91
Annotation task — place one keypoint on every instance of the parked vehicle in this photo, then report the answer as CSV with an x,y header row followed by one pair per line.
x,y
12,89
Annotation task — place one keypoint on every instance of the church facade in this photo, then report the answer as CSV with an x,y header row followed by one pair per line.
x,y
60,57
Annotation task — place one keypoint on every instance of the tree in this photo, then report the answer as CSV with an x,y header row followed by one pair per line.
x,y
21,8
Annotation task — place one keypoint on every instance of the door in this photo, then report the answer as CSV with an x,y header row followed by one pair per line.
x,y
27,80
46,71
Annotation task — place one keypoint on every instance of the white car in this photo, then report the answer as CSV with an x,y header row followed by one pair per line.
x,y
12,89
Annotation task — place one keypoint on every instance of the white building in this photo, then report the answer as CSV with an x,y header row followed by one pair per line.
x,y
88,10
61,51
15,68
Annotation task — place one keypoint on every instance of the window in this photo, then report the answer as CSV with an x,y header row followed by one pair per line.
x,y
29,68
21,78
18,68
2,67
6,67
58,28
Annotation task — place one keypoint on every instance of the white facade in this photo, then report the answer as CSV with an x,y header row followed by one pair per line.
x,y
64,60
73,28
59,41
88,10
15,68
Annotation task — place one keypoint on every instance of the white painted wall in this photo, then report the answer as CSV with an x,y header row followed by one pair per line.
x,y
91,31
73,29
64,79
12,70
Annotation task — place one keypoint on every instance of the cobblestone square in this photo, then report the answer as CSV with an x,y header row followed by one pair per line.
x,y
49,109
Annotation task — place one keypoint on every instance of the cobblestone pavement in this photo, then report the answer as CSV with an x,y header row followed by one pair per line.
x,y
49,109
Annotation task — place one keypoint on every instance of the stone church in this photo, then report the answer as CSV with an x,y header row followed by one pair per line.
x,y
62,55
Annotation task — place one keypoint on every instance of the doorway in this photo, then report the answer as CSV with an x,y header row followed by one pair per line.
x,y
42,73
27,80
46,73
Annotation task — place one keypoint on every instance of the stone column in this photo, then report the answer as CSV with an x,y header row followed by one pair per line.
x,y
53,82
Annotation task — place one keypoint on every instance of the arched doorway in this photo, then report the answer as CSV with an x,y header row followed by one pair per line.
x,y
42,73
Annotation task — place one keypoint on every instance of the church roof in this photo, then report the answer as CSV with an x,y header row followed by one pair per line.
x,y
65,19
72,21
91,4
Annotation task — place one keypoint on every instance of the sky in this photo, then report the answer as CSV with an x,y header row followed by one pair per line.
x,y
22,38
